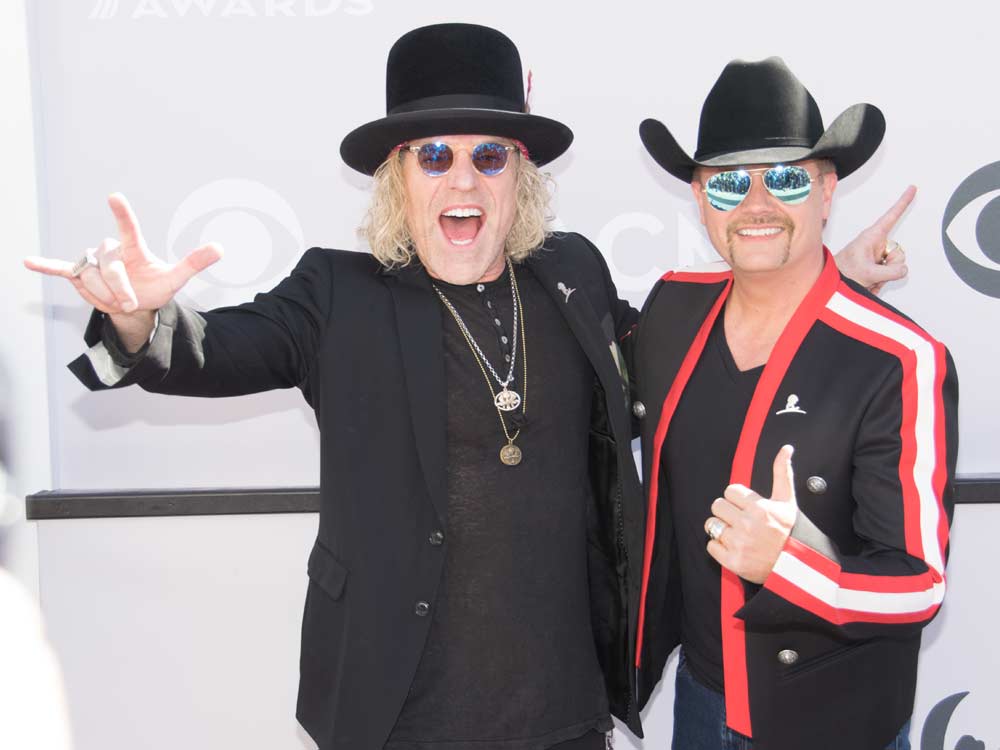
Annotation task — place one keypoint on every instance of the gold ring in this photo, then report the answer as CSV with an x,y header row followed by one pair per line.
x,y
891,246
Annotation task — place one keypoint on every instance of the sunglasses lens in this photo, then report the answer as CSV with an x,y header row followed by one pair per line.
x,y
789,185
489,158
435,158
726,190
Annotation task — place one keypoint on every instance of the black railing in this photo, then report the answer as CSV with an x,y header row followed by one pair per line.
x,y
969,489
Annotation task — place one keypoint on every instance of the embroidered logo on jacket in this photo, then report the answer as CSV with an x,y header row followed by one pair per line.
x,y
791,406
565,290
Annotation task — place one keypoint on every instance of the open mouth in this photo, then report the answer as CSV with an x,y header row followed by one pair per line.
x,y
461,224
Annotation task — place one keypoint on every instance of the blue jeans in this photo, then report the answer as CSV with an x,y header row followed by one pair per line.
x,y
700,719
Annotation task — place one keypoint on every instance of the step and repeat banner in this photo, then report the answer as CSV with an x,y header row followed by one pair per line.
x,y
221,120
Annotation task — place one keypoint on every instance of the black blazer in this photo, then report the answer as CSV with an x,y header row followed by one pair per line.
x,y
364,345
824,654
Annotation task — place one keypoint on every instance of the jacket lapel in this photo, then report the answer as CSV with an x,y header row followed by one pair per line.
x,y
777,365
596,337
669,345
733,594
667,351
418,320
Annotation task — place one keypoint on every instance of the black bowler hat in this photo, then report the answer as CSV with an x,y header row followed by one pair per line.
x,y
451,79
760,113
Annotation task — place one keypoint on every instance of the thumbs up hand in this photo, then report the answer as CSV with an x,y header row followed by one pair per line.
x,y
749,531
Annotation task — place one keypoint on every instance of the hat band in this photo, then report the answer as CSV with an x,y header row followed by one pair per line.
x,y
769,143
457,101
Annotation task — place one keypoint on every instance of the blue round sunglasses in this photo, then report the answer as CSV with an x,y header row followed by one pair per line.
x,y
490,159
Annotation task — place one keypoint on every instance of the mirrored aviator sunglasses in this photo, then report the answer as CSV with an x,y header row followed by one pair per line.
x,y
435,159
789,184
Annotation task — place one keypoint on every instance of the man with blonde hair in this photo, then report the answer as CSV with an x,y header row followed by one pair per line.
x,y
475,576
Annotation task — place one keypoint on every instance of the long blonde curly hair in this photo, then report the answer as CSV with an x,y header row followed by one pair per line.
x,y
388,235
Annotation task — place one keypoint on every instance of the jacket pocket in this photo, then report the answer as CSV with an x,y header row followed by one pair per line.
x,y
326,571
832,657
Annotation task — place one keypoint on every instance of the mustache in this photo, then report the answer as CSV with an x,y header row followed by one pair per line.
x,y
770,220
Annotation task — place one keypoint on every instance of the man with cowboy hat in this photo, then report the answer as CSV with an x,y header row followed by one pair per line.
x,y
475,579
799,623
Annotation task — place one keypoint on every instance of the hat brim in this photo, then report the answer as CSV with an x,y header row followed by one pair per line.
x,y
849,142
366,147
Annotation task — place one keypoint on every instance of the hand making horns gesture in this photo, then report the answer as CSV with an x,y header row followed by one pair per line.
x,y
122,277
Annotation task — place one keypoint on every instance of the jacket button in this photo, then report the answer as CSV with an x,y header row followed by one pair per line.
x,y
436,538
639,409
422,609
788,657
816,485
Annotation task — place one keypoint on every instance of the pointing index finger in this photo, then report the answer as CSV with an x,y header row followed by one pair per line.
x,y
889,219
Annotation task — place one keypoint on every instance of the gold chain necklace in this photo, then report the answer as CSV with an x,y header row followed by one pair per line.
x,y
510,454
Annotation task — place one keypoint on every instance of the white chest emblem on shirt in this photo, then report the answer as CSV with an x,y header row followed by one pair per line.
x,y
791,406
562,288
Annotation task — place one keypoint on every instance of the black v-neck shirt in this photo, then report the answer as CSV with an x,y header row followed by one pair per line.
x,y
697,461
510,662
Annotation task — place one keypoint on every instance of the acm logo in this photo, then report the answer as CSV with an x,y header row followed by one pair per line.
x,y
970,230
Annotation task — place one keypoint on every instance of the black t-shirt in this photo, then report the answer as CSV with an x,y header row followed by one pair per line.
x,y
697,460
510,662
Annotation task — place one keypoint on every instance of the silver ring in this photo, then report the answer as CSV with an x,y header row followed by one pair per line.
x,y
714,527
89,259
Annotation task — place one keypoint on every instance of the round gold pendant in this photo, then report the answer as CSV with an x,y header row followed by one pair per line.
x,y
507,400
510,454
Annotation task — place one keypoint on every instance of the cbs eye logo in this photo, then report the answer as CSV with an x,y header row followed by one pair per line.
x,y
936,727
970,230
257,228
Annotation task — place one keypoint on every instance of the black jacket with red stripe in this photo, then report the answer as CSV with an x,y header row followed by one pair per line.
x,y
869,401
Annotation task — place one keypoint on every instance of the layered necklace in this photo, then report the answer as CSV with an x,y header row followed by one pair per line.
x,y
504,399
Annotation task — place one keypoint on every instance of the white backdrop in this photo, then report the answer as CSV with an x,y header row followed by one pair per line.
x,y
221,120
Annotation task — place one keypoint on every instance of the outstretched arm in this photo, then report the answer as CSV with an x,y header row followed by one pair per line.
x,y
264,344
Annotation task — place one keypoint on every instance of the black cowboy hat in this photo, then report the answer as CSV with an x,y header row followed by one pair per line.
x,y
760,113
449,79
